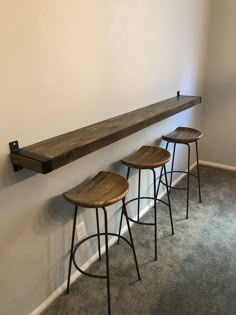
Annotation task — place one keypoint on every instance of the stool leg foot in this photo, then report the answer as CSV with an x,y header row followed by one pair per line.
x,y
188,180
71,249
98,233
172,167
198,171
168,197
107,263
155,212
131,238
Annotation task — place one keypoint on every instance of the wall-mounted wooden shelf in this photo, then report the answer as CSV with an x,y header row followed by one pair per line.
x,y
46,156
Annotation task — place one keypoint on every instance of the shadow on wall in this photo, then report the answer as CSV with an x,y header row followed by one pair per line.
x,y
57,211
53,223
9,177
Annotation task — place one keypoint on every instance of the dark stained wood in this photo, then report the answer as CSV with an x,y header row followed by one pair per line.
x,y
183,135
26,162
73,145
147,157
105,189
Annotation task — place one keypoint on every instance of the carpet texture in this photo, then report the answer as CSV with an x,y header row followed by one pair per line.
x,y
196,268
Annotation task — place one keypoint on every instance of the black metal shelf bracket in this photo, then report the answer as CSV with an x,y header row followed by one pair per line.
x,y
14,148
46,164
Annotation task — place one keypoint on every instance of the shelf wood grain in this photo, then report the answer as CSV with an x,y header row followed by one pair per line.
x,y
48,155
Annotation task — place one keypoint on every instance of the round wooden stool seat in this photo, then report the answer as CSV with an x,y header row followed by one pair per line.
x,y
186,136
105,189
147,157
183,135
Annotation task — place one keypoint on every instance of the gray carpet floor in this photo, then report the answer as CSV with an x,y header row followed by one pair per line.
x,y
196,268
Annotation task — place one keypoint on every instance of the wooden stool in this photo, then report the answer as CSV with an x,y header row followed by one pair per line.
x,y
148,157
185,136
104,189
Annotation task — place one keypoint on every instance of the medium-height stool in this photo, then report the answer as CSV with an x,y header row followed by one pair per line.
x,y
104,189
184,135
148,157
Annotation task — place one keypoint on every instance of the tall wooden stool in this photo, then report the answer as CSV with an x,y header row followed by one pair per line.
x,y
184,135
104,189
148,157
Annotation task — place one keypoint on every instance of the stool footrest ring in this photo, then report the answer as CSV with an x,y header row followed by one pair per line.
x,y
151,198
77,245
173,187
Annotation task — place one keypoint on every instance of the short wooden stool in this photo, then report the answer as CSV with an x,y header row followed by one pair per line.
x,y
184,135
148,157
105,189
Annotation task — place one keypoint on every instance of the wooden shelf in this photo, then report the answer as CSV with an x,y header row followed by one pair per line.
x,y
48,155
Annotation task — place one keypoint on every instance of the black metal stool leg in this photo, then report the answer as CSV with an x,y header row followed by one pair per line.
x,y
188,180
139,184
167,144
198,171
172,166
98,233
128,171
168,197
121,219
131,238
159,183
71,249
121,216
155,211
107,262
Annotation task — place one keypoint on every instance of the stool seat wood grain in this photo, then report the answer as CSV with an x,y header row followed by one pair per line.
x,y
105,189
147,157
183,135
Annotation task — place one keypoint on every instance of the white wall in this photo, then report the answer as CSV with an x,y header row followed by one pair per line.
x,y
218,144
65,65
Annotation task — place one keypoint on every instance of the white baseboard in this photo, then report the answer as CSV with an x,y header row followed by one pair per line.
x,y
217,165
93,258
